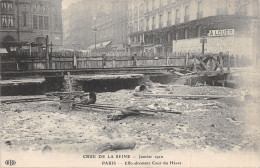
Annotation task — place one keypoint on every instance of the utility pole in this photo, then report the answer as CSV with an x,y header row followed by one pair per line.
x,y
203,40
18,22
47,53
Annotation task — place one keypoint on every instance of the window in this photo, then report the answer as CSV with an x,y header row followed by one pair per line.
x,y
177,35
46,22
160,21
153,4
169,37
199,31
177,20
141,26
136,11
40,22
177,14
222,4
7,6
199,13
199,6
147,22
186,10
4,5
169,16
35,22
147,5
153,20
130,13
141,8
222,7
255,8
41,18
186,16
186,35
56,22
135,25
45,10
24,20
7,20
4,20
24,8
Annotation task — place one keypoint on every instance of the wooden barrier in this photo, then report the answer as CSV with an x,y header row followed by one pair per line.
x,y
65,60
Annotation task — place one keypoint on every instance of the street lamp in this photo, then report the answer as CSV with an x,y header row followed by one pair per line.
x,y
95,30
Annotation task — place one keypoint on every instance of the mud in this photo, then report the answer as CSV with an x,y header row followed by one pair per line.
x,y
229,124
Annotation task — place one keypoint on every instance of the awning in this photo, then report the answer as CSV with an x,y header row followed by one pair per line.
x,y
3,51
99,45
118,47
136,45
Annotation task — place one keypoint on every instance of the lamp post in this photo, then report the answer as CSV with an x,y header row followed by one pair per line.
x,y
75,62
95,30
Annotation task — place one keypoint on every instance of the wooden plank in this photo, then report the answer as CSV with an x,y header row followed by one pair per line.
x,y
76,93
184,96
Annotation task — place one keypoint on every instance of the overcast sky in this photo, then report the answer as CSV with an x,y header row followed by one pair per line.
x,y
66,3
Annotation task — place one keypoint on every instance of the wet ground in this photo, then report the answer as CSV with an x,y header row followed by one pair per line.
x,y
222,125
227,124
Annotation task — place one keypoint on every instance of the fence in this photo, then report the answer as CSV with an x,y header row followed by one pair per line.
x,y
70,60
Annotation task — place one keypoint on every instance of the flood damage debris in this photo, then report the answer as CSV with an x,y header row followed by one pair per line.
x,y
116,144
172,96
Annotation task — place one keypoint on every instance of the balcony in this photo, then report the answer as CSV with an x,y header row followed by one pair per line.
x,y
147,28
199,15
221,11
169,23
177,20
186,18
153,27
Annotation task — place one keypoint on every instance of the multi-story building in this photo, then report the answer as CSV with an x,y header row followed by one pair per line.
x,y
30,21
111,26
77,24
156,25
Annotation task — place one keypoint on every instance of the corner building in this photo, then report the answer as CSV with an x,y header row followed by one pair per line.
x,y
178,25
30,21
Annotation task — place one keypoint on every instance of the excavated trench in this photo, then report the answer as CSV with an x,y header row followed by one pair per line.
x,y
58,84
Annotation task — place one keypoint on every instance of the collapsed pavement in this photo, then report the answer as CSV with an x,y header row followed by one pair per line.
x,y
204,124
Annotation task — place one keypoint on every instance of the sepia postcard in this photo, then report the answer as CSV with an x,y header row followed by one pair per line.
x,y
130,83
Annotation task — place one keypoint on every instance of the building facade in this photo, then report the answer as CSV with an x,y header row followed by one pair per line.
x,y
30,21
111,26
155,25
77,24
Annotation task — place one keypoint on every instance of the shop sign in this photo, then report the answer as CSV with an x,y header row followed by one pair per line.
x,y
222,32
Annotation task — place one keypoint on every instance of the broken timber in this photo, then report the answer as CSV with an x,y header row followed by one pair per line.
x,y
123,112
24,100
184,96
